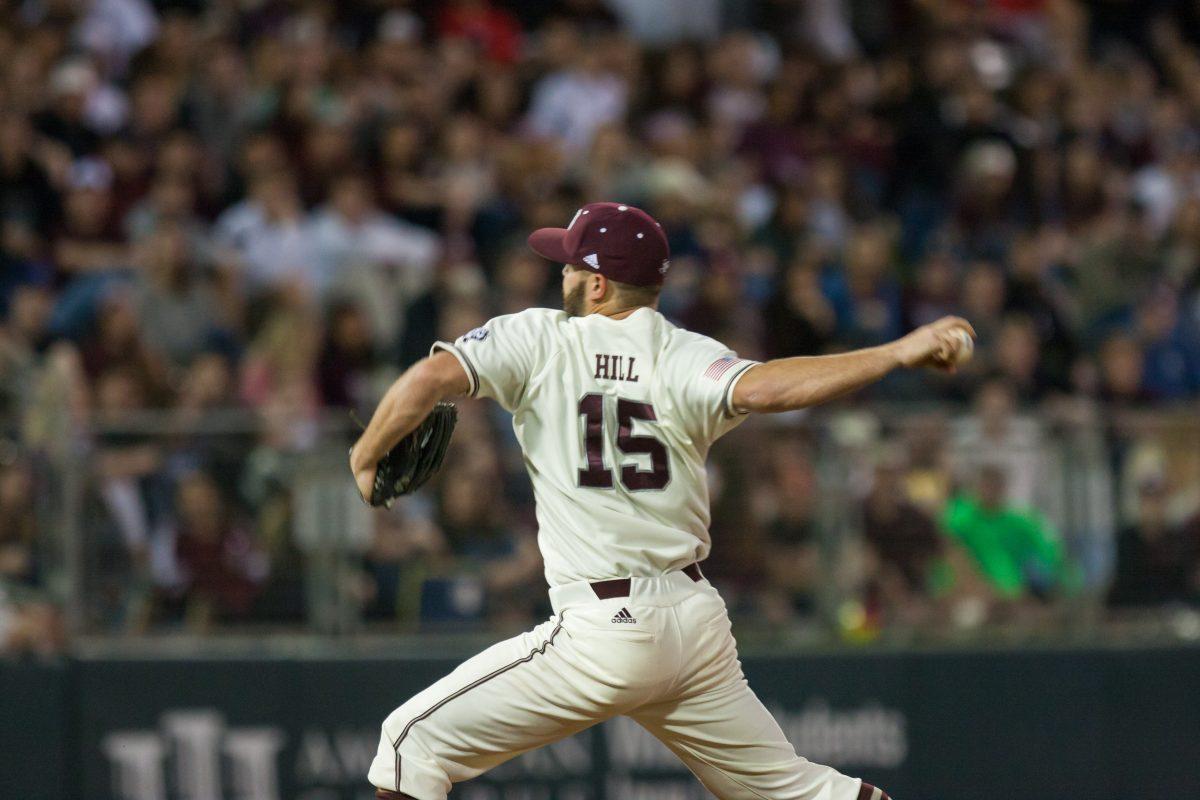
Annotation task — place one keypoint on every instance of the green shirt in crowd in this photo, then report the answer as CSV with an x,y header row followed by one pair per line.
x,y
1006,544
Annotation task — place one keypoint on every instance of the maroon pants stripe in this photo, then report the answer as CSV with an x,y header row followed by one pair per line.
x,y
869,792
384,794
465,689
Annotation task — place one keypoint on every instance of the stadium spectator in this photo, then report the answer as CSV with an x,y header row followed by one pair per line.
x,y
934,291
1019,360
73,86
19,557
1037,291
27,196
366,255
1122,372
983,298
481,532
29,626
24,336
177,307
128,463
572,103
266,236
213,568
494,30
1014,548
929,479
1171,347
116,343
864,293
1157,561
522,281
997,435
785,509
904,547
798,319
405,548
348,359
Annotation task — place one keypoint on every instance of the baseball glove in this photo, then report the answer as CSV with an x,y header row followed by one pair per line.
x,y
412,462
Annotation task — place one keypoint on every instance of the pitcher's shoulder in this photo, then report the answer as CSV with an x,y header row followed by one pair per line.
x,y
535,321
522,331
679,339
550,317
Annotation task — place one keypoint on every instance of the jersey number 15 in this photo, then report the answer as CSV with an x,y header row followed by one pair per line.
x,y
597,476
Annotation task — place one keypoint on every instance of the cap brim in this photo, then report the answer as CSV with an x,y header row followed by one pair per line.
x,y
550,243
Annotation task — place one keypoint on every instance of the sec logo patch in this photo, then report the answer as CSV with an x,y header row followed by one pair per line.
x,y
478,335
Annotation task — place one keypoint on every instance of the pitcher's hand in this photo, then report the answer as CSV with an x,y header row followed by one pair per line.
x,y
934,345
364,476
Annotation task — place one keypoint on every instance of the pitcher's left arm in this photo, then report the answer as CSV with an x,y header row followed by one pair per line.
x,y
407,402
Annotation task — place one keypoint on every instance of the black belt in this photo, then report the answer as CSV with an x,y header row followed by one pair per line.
x,y
619,587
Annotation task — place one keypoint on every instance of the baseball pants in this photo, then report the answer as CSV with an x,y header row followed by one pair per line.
x,y
664,656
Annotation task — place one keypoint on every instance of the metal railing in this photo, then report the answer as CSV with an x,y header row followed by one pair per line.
x,y
229,523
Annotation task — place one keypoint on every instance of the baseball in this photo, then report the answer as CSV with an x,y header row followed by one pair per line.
x,y
965,349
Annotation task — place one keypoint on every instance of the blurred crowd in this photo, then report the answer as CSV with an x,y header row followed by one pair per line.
x,y
264,209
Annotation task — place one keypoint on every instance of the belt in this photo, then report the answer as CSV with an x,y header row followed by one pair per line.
x,y
619,587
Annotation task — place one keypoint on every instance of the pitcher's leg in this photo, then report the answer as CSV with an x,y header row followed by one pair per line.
x,y
729,740
514,696
720,729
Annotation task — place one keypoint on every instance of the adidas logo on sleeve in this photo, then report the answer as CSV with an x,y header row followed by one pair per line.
x,y
624,616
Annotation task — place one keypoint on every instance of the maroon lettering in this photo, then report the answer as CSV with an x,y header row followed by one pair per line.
x,y
615,368
635,479
596,475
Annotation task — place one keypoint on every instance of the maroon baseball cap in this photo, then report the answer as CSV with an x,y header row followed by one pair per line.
x,y
618,241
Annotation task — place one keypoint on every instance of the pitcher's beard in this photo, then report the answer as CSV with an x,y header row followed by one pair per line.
x,y
573,301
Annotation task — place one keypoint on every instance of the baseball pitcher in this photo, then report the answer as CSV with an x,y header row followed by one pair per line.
x,y
615,409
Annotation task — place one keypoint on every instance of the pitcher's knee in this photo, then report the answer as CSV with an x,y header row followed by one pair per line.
x,y
405,764
869,792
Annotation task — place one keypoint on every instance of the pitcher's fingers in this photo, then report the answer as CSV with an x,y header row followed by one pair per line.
x,y
946,344
959,322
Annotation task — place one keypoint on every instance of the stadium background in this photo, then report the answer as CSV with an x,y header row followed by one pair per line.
x,y
225,224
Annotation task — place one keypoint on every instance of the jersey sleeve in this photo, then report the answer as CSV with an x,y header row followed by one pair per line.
x,y
499,356
703,374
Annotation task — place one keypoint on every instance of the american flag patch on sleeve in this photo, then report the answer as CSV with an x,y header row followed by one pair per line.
x,y
721,366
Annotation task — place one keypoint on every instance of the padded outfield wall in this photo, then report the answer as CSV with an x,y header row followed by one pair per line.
x,y
1027,725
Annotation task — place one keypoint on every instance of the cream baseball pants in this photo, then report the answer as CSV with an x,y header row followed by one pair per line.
x,y
663,656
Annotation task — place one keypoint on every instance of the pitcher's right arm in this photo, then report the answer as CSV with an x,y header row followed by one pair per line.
x,y
786,384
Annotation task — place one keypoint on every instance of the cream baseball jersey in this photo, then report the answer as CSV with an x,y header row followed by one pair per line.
x,y
615,419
